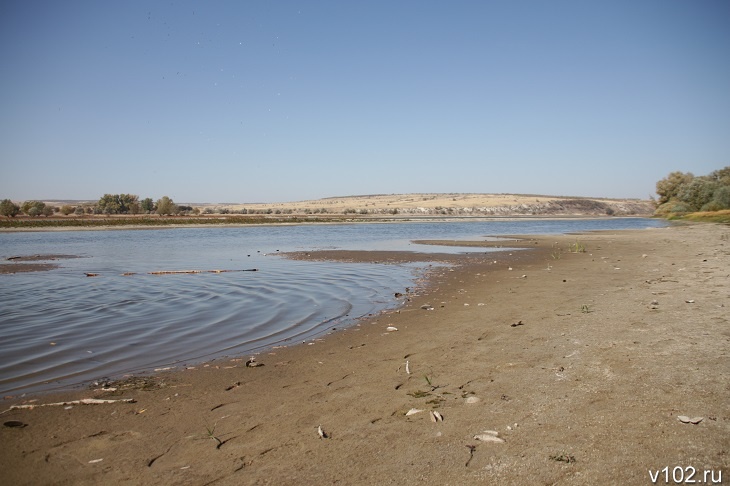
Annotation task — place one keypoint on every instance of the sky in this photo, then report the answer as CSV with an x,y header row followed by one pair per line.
x,y
275,101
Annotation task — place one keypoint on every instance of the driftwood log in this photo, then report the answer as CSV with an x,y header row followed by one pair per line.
x,y
83,401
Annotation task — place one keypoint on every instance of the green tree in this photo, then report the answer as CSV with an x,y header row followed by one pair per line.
x,y
8,208
67,209
669,187
166,206
147,205
134,207
33,208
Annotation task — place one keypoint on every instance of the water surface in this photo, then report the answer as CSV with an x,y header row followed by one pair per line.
x,y
61,328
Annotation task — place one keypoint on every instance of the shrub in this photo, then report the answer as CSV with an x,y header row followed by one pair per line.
x,y
712,206
722,197
33,208
698,192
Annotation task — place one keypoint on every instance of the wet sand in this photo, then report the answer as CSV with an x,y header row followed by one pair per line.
x,y
581,362
18,264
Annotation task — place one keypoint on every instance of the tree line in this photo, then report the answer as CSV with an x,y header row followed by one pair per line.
x,y
107,204
682,192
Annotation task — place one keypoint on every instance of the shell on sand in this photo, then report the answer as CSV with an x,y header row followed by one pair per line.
x,y
391,328
472,399
687,420
436,417
413,411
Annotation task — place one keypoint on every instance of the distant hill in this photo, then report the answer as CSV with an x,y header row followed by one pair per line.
x,y
454,204
427,205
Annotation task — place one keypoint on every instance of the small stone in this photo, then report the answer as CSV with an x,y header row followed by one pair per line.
x,y
472,400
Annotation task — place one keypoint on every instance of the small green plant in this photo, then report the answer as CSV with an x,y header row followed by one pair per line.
x,y
211,435
419,394
577,247
585,309
556,253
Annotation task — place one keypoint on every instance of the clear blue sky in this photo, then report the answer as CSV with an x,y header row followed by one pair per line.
x,y
247,101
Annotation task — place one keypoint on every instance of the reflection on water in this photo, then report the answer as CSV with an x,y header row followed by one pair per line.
x,y
61,327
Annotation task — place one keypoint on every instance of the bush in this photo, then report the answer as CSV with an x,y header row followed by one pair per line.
x,y
712,206
33,208
698,192
66,209
666,208
684,193
119,204
722,197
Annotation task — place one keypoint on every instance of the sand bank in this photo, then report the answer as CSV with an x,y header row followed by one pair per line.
x,y
580,361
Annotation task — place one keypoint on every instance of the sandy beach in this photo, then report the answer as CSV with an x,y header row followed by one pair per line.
x,y
570,363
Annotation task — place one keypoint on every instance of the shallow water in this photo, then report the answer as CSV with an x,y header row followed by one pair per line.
x,y
61,328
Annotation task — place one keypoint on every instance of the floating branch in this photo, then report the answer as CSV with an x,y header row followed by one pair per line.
x,y
174,272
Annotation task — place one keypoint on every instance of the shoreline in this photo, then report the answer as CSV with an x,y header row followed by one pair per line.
x,y
602,383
